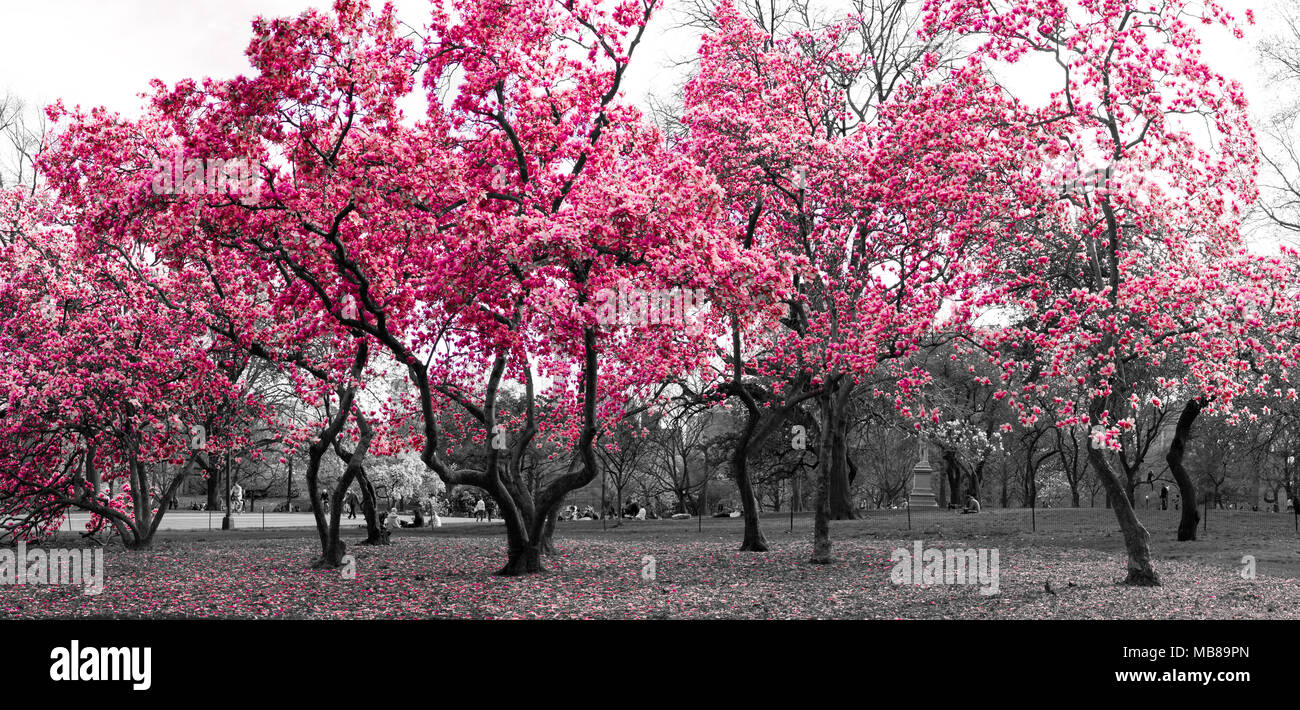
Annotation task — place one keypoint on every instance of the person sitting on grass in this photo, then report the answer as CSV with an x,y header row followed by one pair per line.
x,y
417,523
972,505
392,522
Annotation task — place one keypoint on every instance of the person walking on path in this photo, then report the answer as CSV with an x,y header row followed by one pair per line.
x,y
480,510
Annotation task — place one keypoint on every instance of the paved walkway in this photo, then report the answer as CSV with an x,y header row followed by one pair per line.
x,y
202,520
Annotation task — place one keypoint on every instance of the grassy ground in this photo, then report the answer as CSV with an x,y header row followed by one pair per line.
x,y
447,572
1271,538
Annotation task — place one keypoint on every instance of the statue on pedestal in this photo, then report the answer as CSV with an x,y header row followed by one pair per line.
x,y
922,495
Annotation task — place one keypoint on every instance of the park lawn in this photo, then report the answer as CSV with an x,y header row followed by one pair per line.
x,y
447,573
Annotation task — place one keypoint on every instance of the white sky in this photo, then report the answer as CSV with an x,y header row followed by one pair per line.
x,y
108,51
91,52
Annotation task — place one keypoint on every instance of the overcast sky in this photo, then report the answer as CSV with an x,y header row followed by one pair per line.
x,y
96,53
92,53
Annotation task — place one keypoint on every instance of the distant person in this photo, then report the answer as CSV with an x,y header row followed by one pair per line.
x,y
480,510
972,505
392,522
325,503
1164,497
640,514
352,504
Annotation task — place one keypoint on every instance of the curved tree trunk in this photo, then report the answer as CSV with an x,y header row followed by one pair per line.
x,y
312,477
1136,537
753,540
368,496
1190,517
136,530
332,548
368,509
526,513
525,528
548,535
336,548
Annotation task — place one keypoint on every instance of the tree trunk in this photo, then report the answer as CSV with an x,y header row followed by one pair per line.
x,y
821,523
753,540
368,509
335,548
1190,517
1136,537
548,536
1005,499
214,490
368,496
525,538
1031,473
822,504
952,475
841,492
332,548
92,472
526,559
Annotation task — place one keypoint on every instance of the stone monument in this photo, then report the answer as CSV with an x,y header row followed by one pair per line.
x,y
922,495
